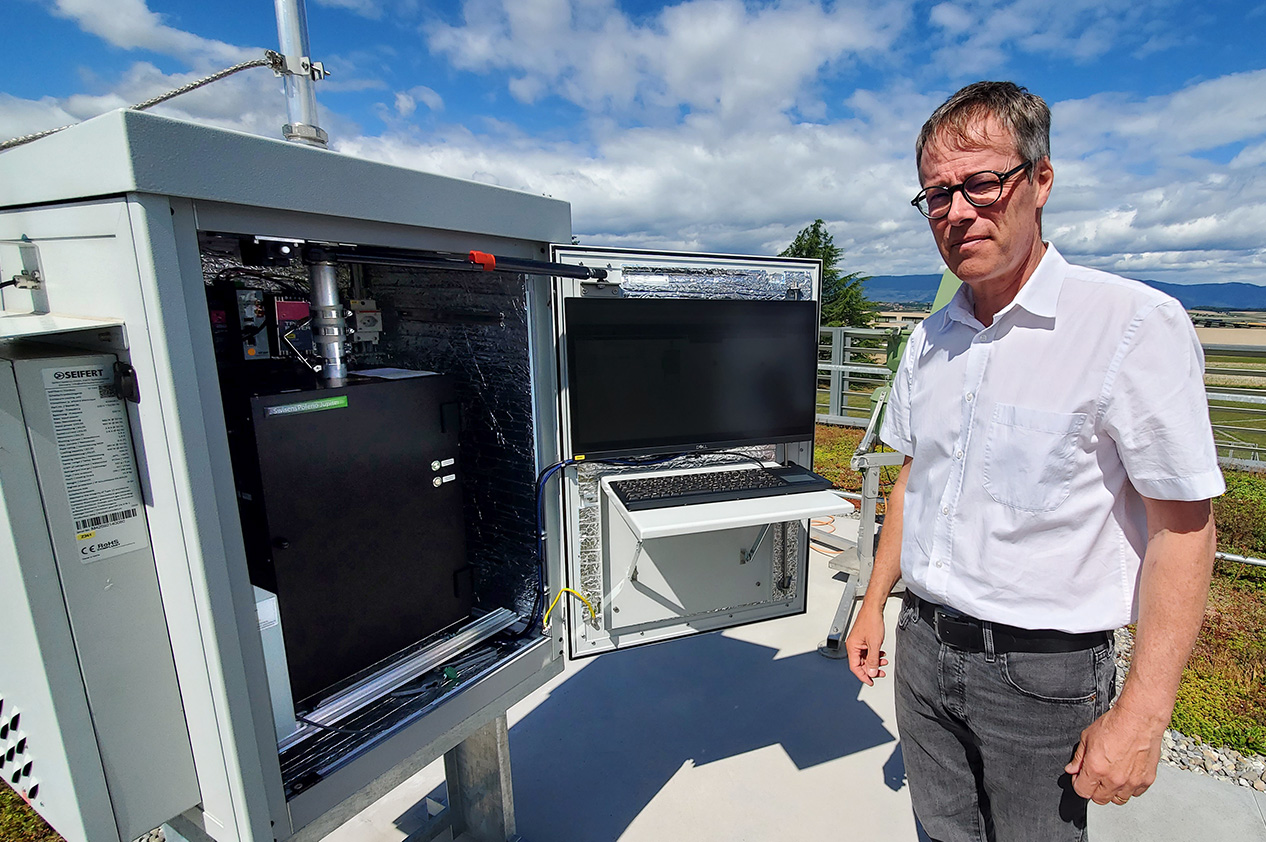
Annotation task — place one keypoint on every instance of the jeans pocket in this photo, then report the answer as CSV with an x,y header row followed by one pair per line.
x,y
1028,456
1060,677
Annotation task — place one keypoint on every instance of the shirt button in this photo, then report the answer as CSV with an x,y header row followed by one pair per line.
x,y
944,510
958,455
969,397
938,564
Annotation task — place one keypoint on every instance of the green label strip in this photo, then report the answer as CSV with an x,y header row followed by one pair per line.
x,y
318,405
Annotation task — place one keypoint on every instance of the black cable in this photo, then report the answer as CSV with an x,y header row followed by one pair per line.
x,y
10,283
759,462
826,547
287,284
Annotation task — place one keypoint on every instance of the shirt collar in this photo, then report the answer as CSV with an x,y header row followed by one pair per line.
x,y
1039,296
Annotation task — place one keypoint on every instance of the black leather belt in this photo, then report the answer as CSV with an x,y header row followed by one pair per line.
x,y
968,633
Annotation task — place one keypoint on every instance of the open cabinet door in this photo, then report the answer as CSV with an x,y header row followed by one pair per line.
x,y
657,574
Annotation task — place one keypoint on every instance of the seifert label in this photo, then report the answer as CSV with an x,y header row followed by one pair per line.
x,y
95,445
318,405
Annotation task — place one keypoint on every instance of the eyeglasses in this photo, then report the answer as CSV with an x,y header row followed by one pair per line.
x,y
982,190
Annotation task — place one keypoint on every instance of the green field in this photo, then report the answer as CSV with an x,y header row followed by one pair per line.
x,y
1239,427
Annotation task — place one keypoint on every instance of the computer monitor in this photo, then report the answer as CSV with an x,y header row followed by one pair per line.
x,y
657,376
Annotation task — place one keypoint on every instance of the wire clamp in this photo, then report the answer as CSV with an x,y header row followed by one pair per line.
x,y
297,66
27,279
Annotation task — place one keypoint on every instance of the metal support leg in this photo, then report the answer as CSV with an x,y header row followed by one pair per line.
x,y
870,466
184,828
834,645
480,798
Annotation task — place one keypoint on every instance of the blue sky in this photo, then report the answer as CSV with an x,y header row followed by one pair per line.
x,y
721,125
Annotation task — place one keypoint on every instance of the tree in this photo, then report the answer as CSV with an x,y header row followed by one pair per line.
x,y
844,301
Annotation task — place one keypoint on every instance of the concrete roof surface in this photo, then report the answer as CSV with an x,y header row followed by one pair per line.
x,y
750,734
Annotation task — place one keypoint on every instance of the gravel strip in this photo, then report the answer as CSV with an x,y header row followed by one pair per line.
x,y
1225,764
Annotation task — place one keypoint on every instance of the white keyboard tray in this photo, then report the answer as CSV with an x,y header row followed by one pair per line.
x,y
730,514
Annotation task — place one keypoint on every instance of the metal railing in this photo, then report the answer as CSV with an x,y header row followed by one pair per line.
x,y
851,366
1235,381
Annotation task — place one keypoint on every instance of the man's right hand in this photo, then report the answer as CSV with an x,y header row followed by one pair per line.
x,y
865,658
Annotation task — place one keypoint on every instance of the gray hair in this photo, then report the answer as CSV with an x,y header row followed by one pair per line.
x,y
1025,115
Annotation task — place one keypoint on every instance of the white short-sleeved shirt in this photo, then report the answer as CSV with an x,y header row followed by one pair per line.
x,y
1033,439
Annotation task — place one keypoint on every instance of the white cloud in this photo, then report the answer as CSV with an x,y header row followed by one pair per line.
x,y
1135,192
1200,117
955,20
407,101
697,134
703,185
405,104
742,61
372,9
977,37
130,24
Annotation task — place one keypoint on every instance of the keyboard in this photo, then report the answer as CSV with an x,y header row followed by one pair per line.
x,y
659,492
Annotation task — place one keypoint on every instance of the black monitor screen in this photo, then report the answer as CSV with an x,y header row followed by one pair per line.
x,y
656,376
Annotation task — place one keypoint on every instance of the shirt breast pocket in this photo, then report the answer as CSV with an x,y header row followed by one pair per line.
x,y
1028,456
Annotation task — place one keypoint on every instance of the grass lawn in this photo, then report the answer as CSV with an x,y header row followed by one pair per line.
x,y
18,822
832,448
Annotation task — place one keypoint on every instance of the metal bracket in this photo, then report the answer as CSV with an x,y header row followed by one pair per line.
x,y
747,555
32,275
637,554
302,66
28,279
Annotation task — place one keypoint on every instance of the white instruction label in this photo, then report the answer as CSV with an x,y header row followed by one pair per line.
x,y
268,613
91,426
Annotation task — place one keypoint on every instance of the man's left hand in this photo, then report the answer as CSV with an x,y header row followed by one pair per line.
x,y
1116,758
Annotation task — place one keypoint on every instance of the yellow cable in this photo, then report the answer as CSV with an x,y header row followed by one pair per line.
x,y
592,613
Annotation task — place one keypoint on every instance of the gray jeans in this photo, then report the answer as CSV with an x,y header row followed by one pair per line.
x,y
985,736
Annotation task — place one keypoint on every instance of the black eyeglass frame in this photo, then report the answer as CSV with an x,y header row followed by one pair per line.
x,y
962,188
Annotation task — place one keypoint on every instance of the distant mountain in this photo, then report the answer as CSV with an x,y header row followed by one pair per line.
x,y
902,289
921,289
1229,296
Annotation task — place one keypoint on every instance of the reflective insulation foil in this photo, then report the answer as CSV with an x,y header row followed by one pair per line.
x,y
708,282
474,326
715,282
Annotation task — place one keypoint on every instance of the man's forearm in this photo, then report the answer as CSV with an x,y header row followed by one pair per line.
x,y
1173,588
887,567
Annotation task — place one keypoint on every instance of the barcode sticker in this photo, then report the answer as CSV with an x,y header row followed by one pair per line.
x,y
104,520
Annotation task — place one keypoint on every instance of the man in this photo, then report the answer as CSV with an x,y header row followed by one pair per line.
x,y
1059,465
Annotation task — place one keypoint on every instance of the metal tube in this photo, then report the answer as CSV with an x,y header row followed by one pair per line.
x,y
328,326
301,109
1255,562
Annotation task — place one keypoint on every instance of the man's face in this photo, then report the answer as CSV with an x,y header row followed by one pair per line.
x,y
994,247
